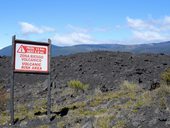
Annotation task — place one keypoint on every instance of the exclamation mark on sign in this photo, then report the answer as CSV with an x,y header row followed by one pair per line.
x,y
21,49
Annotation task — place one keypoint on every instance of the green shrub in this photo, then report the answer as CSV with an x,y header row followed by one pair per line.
x,y
166,76
77,85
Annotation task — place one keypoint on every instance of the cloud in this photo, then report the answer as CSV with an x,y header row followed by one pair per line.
x,y
166,24
27,28
148,36
73,39
139,24
149,30
77,29
78,35
136,23
88,30
167,20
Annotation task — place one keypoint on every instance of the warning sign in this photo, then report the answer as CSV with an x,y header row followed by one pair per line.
x,y
31,58
31,49
21,49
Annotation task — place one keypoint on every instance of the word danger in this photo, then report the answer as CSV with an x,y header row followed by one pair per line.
x,y
31,49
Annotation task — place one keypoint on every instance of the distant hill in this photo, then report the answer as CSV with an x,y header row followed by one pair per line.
x,y
163,47
6,51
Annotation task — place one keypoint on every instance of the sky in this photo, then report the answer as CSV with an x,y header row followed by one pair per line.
x,y
72,22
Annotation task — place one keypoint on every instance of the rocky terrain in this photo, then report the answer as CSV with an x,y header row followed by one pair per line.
x,y
118,90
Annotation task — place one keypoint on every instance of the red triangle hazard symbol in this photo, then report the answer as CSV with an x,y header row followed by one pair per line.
x,y
21,49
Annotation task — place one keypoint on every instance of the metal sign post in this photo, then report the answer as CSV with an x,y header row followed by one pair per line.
x,y
12,85
30,57
49,83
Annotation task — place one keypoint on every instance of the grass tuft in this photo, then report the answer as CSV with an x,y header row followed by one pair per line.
x,y
77,85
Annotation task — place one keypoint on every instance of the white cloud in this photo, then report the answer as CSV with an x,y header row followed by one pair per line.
x,y
165,24
148,36
78,35
136,23
139,24
167,20
73,39
77,29
27,28
87,30
47,29
143,31
149,30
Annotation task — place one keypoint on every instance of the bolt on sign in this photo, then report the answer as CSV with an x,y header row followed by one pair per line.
x,y
31,57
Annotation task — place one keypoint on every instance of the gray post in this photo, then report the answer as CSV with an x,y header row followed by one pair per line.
x,y
49,82
12,84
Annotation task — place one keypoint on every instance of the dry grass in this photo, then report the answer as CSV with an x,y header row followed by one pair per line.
x,y
77,85
4,98
166,76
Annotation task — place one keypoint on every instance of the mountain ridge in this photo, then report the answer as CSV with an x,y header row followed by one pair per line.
x,y
162,47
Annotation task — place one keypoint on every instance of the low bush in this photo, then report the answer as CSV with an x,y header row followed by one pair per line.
x,y
77,85
166,76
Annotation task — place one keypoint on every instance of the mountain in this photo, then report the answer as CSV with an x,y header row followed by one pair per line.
x,y
6,51
162,47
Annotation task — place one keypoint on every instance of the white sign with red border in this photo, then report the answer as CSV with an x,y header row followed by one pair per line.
x,y
31,57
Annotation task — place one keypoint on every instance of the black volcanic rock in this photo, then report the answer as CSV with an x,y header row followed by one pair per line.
x,y
98,69
104,72
101,70
110,69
